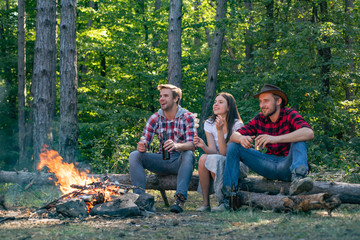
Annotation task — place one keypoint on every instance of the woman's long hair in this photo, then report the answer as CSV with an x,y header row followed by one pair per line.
x,y
231,115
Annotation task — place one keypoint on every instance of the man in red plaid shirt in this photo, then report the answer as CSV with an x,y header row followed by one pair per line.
x,y
283,132
175,129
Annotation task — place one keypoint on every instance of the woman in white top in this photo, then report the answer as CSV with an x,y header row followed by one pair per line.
x,y
218,129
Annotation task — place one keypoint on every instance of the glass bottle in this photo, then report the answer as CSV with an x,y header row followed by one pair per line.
x,y
166,154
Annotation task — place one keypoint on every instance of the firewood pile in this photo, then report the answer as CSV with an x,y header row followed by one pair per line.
x,y
83,195
101,198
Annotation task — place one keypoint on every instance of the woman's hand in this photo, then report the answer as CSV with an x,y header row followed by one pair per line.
x,y
220,121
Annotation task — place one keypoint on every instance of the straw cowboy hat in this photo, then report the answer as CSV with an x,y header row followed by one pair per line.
x,y
268,88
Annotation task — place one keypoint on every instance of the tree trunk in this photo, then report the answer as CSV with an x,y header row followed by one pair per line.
x,y
325,52
248,36
174,43
68,134
213,68
281,203
44,74
349,88
348,192
21,84
270,33
156,34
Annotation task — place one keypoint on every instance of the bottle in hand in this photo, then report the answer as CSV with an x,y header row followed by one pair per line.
x,y
166,154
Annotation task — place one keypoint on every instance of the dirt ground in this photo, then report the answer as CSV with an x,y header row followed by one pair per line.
x,y
246,223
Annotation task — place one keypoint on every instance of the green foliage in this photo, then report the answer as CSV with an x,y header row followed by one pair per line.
x,y
122,57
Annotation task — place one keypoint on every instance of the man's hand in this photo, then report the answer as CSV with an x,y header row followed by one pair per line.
x,y
246,141
170,145
199,142
264,139
141,146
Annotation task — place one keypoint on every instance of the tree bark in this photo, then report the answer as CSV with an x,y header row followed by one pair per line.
x,y
214,63
21,84
174,43
156,37
248,36
44,74
281,203
325,52
348,192
349,88
68,134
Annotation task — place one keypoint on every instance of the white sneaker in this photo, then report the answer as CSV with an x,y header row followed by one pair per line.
x,y
220,208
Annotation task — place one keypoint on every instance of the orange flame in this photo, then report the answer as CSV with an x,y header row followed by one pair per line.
x,y
66,173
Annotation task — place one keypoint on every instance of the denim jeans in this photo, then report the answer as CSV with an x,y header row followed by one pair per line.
x,y
270,166
180,164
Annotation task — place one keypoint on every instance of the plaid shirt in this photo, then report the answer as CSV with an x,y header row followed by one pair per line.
x,y
180,130
288,121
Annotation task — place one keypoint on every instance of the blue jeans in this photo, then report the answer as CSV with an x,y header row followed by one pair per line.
x,y
270,166
180,164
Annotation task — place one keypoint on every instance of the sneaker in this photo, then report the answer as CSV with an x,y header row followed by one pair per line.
x,y
223,206
299,182
178,204
203,209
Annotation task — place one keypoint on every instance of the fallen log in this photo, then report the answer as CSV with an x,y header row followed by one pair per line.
x,y
281,203
348,192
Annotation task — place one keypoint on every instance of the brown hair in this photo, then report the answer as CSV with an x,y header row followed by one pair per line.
x,y
174,89
231,115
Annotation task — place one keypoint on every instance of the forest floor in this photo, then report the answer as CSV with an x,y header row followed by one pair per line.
x,y
245,223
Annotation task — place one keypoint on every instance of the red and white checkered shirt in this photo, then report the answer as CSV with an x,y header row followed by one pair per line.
x,y
180,130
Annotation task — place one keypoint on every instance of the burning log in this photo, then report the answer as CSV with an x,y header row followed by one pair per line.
x,y
283,203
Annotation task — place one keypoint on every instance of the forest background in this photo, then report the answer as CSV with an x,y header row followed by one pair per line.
x,y
309,48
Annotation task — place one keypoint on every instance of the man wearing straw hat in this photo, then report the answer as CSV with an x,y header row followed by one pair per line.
x,y
283,132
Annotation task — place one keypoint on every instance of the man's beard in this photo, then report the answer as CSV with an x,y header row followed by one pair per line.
x,y
273,112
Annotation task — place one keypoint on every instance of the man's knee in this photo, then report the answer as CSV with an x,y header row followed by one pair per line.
x,y
134,158
187,157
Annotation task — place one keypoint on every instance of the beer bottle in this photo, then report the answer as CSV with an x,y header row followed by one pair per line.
x,y
165,153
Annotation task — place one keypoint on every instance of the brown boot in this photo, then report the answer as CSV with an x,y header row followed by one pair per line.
x,y
178,203
300,183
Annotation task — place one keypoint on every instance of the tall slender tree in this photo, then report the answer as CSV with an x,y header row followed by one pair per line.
x,y
349,41
174,43
44,74
21,83
325,51
214,63
68,135
248,37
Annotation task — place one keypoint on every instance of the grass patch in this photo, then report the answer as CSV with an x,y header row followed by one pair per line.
x,y
246,223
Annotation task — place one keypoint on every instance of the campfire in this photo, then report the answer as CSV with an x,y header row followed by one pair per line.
x,y
83,195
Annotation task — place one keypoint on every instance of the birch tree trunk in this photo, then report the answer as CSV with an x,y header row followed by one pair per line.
x,y
174,43
44,76
213,68
21,83
68,135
